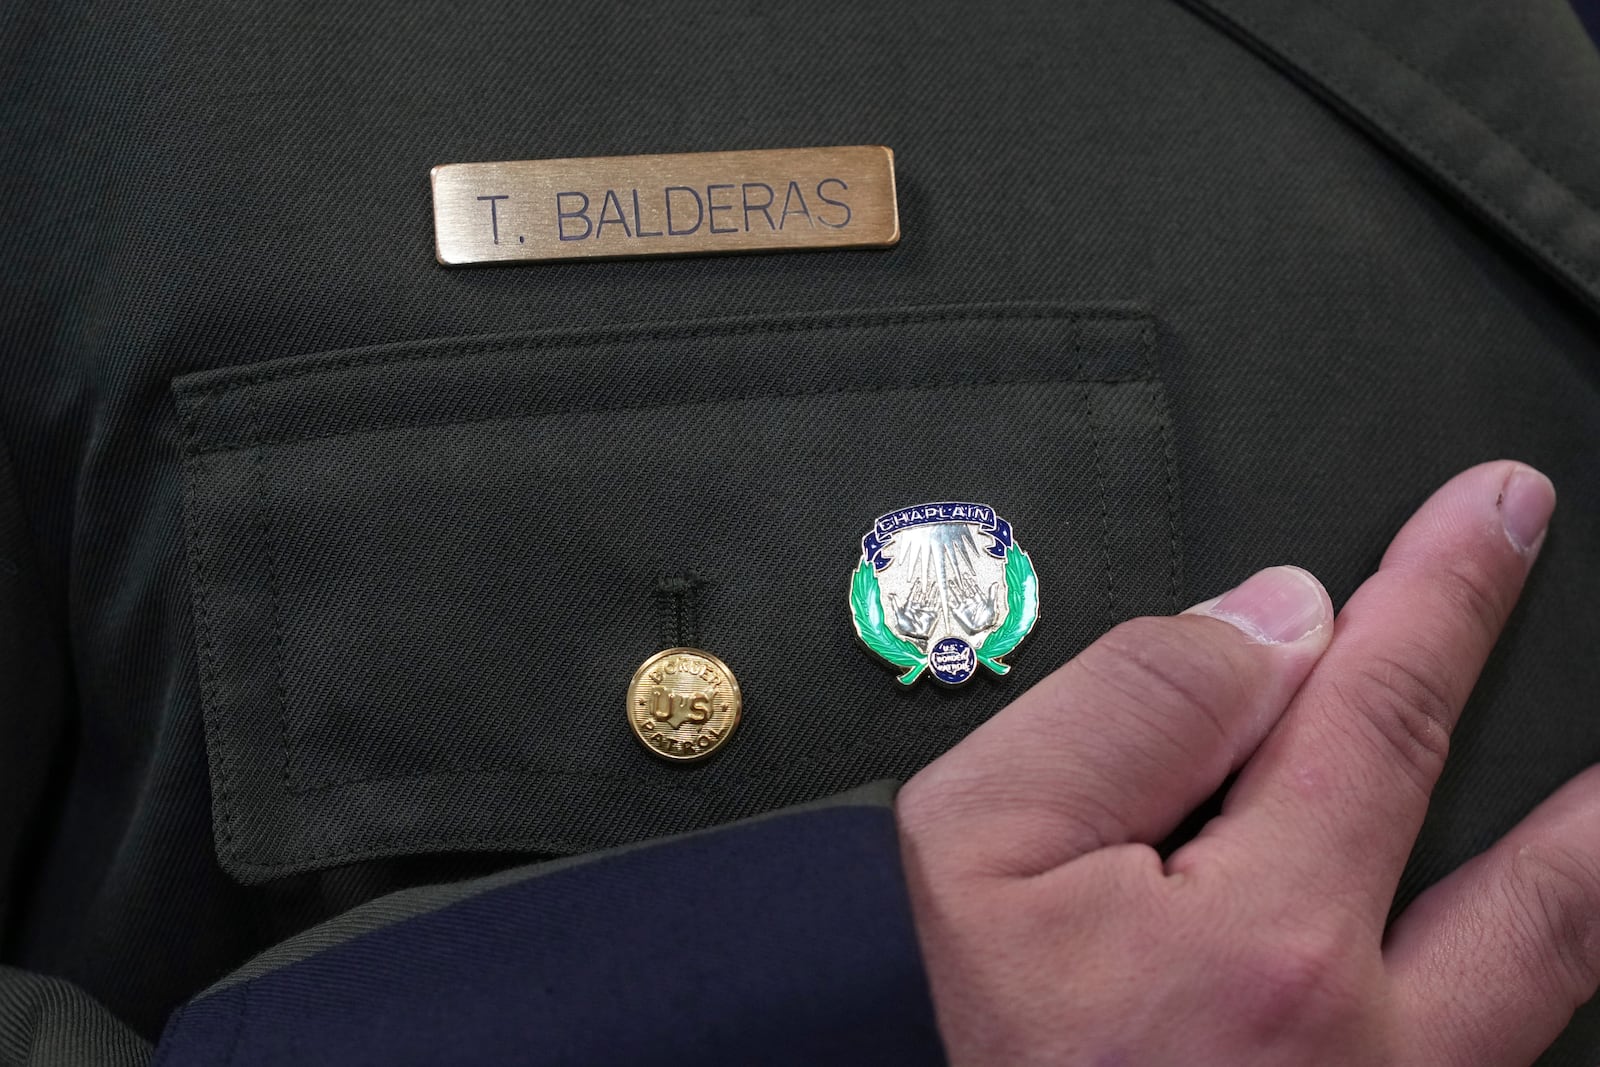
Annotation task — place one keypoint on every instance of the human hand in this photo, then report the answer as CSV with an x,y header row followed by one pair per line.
x,y
916,616
1054,933
974,607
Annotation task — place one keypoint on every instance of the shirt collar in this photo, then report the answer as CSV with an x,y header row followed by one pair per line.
x,y
1496,102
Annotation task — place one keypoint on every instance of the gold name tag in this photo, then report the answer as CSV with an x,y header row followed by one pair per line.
x,y
692,204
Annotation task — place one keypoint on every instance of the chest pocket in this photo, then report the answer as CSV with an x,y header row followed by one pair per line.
x,y
422,575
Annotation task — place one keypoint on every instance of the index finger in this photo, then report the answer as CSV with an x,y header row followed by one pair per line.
x,y
1334,798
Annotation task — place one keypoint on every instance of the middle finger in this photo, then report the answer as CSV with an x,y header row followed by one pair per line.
x,y
1335,796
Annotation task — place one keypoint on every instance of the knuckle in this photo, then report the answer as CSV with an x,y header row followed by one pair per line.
x,y
1554,899
1075,823
946,816
1304,977
1404,698
1476,589
1151,663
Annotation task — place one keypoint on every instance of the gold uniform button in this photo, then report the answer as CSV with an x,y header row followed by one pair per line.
x,y
683,704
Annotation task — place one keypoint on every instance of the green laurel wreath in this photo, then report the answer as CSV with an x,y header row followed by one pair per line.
x,y
867,606
1022,609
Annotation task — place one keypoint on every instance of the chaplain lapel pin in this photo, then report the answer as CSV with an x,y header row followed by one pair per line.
x,y
943,588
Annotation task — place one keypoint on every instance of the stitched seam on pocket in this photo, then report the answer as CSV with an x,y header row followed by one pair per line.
x,y
269,547
210,700
585,409
858,320
298,788
1095,457
815,754
1158,396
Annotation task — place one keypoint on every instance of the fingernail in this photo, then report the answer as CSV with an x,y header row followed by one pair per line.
x,y
1526,501
1277,606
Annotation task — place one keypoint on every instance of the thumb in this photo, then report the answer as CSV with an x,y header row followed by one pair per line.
x,y
1124,740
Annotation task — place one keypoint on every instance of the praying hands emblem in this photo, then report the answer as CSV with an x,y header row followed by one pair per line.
x,y
915,618
975,609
